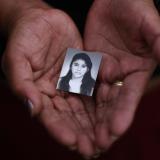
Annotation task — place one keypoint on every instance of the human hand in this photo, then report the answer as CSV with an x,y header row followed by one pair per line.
x,y
32,61
127,34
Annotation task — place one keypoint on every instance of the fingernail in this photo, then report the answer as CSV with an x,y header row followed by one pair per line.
x,y
30,106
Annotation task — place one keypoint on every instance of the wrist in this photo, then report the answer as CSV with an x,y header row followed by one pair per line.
x,y
12,10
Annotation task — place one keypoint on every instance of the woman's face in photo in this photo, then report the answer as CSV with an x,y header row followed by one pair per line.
x,y
79,68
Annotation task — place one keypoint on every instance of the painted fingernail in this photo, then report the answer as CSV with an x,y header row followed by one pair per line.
x,y
30,106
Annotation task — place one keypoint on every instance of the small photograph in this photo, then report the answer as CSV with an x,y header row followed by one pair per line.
x,y
79,72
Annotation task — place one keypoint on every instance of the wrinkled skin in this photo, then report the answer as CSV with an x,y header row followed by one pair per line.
x,y
32,62
127,34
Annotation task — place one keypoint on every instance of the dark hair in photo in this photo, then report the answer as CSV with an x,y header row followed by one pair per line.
x,y
87,81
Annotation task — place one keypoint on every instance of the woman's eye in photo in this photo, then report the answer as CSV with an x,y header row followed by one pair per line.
x,y
75,64
83,66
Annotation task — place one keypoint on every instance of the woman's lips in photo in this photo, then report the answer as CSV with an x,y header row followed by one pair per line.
x,y
77,73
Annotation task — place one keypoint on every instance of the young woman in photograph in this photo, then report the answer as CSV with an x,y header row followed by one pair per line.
x,y
78,79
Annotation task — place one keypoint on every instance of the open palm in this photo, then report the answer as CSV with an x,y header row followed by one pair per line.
x,y
126,34
32,63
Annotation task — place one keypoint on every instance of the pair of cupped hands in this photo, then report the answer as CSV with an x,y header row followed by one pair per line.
x,y
126,32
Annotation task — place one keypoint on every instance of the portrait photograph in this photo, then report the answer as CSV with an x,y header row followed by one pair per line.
x,y
79,72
